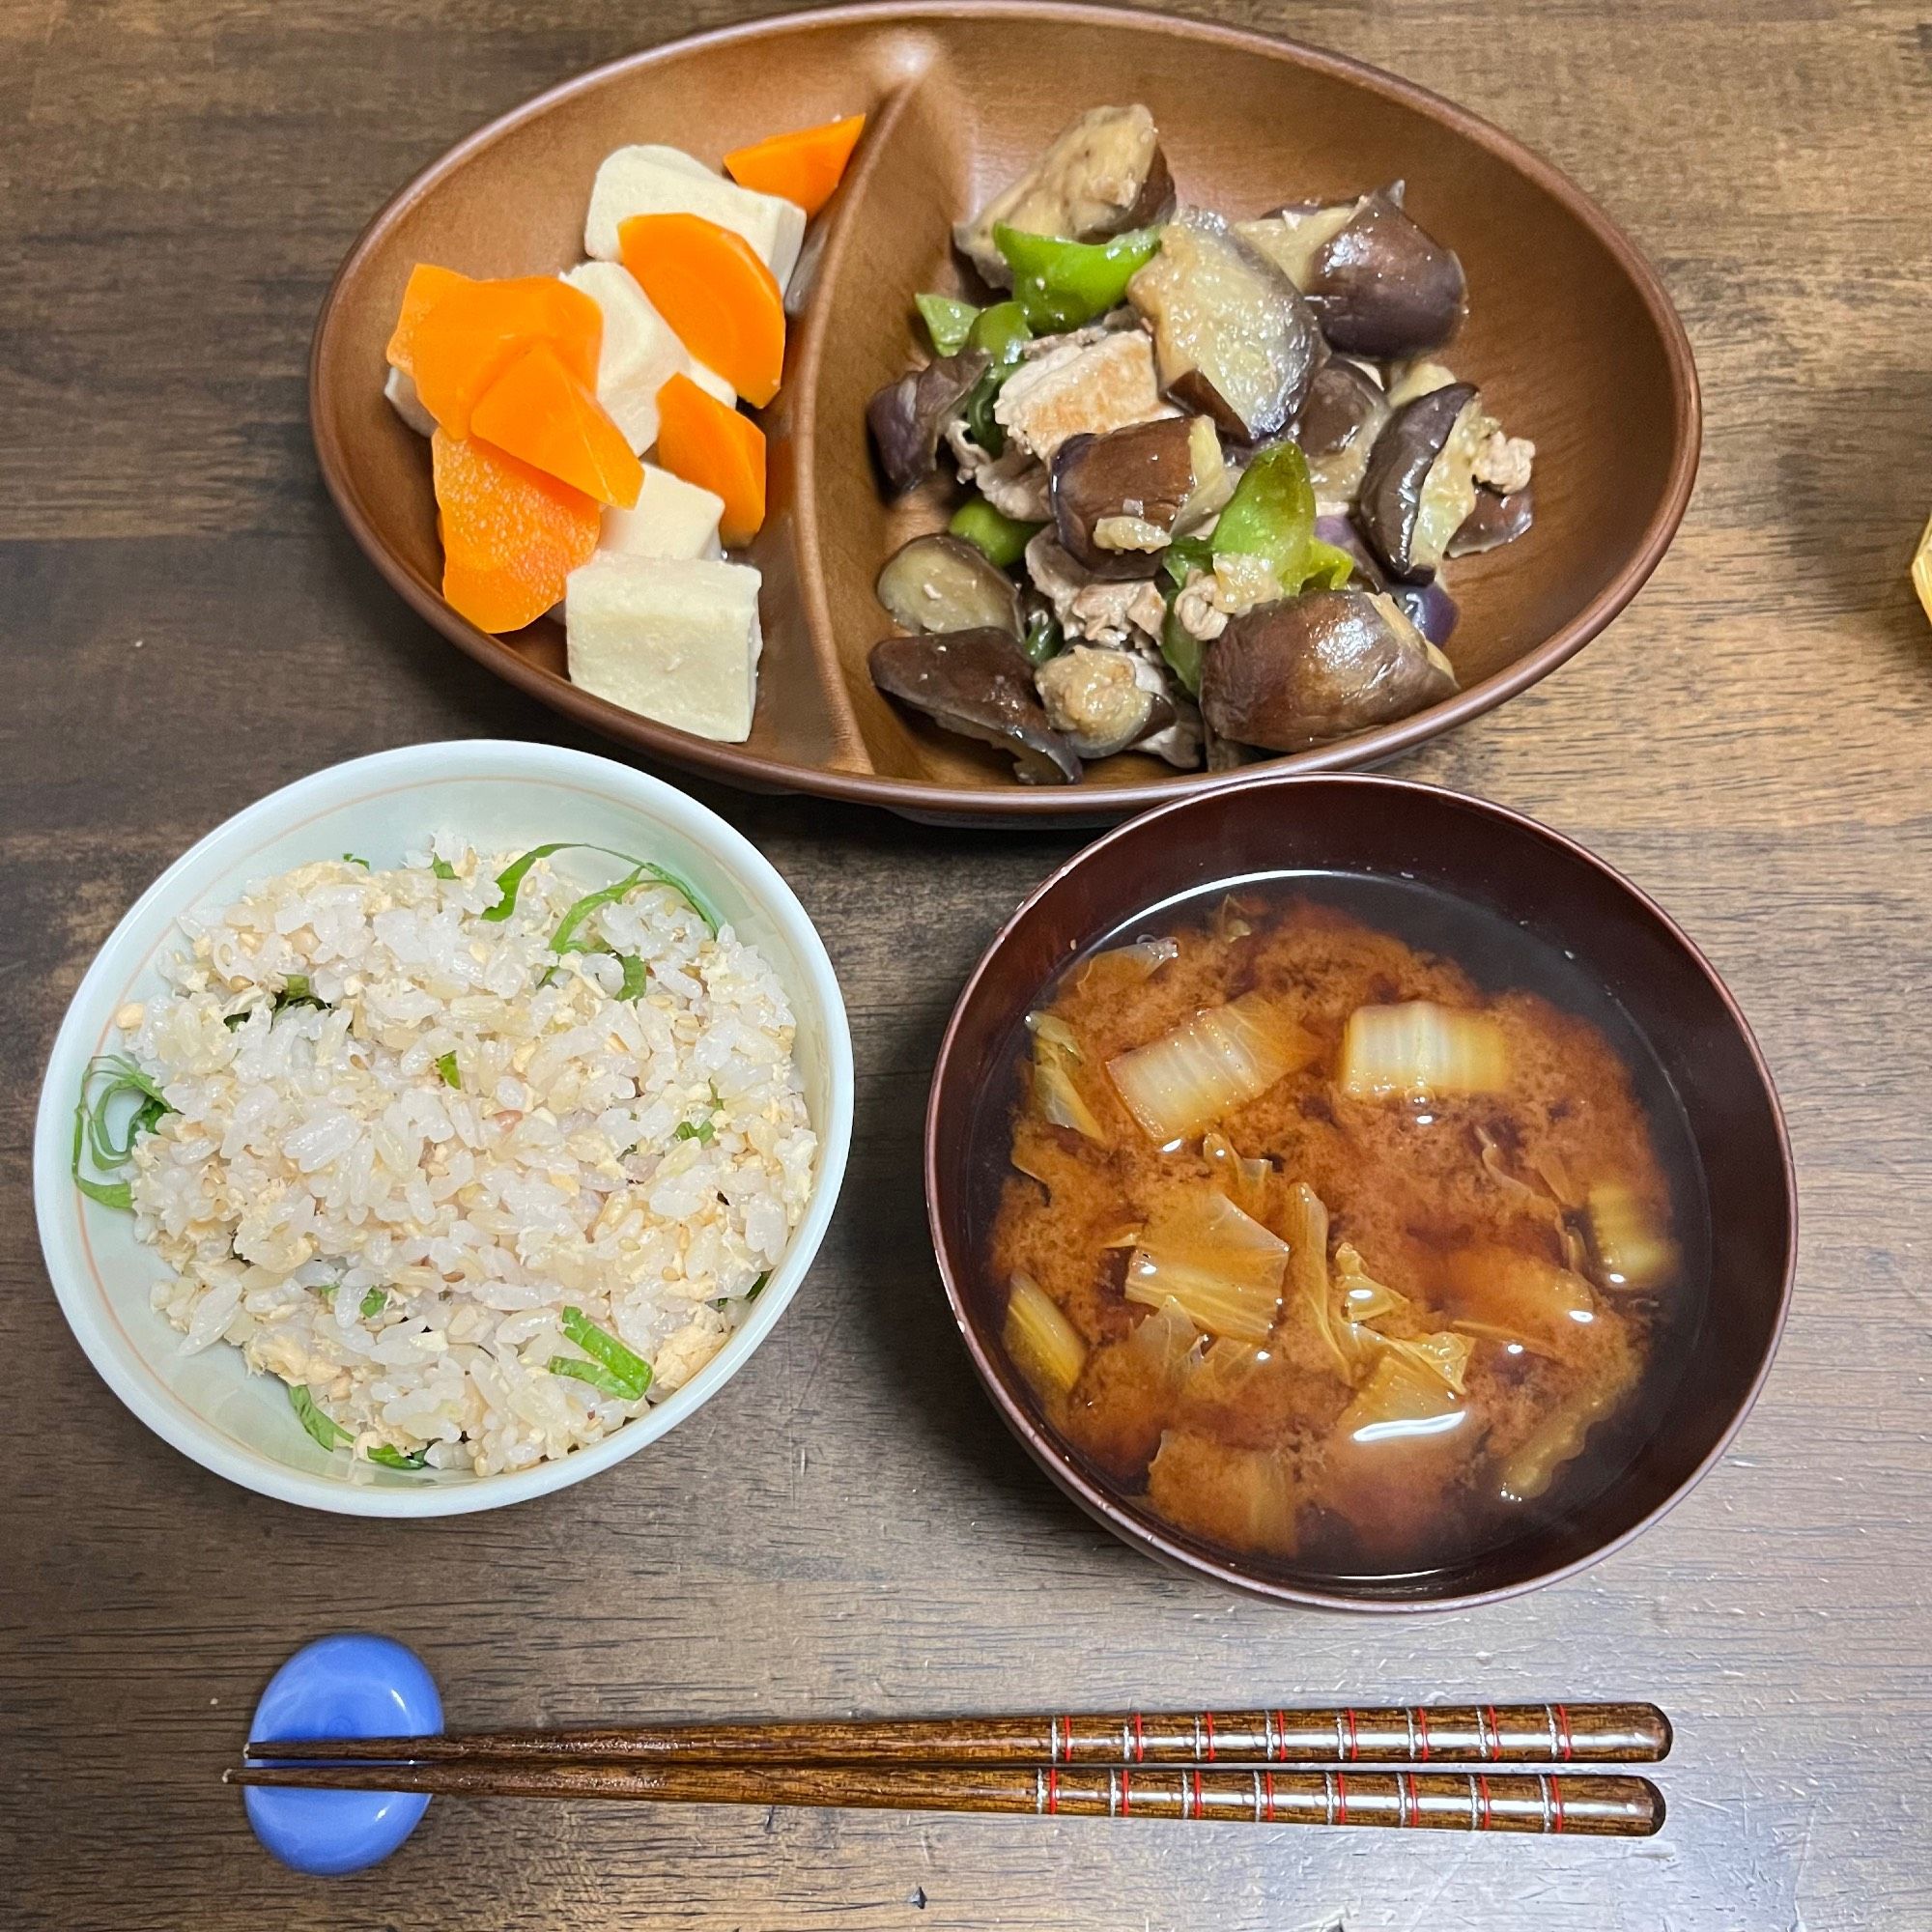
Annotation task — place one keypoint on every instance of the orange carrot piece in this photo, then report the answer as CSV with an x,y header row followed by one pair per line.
x,y
511,535
474,332
426,287
804,166
715,447
538,411
720,299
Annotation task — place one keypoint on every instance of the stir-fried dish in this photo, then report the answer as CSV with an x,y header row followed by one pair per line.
x,y
1332,1256
1212,470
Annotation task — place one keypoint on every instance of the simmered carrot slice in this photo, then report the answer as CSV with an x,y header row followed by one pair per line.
x,y
706,444
721,300
511,535
804,166
473,334
427,286
537,409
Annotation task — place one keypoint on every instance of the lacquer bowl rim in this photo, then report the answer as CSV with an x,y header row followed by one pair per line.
x,y
953,1087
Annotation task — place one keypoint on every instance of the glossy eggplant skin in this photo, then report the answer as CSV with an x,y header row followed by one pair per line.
x,y
1391,500
908,416
1233,338
940,583
1306,669
1380,287
979,684
1427,606
1496,520
1340,417
1145,472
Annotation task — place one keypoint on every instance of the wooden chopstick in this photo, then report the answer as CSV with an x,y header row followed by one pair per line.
x,y
1584,1805
1417,1735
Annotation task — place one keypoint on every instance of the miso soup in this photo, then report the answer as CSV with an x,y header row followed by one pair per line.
x,y
1346,1225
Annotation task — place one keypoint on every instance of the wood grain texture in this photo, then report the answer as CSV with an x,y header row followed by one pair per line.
x,y
847,1530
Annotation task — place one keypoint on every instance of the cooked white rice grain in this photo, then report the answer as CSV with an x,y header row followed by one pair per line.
x,y
403,1248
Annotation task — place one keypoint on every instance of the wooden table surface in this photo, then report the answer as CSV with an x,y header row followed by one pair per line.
x,y
847,1528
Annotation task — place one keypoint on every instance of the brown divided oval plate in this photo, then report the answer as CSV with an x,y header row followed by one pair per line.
x,y
1569,335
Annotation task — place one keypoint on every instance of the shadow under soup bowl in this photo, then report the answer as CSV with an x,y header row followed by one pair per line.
x,y
1359,1194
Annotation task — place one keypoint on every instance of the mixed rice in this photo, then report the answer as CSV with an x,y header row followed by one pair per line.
x,y
479,1188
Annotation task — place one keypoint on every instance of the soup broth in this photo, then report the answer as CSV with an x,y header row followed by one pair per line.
x,y
1347,1225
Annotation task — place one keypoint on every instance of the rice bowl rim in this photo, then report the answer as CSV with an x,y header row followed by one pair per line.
x,y
216,870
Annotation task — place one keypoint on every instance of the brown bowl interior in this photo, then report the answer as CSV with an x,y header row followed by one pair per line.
x,y
1569,334
1478,852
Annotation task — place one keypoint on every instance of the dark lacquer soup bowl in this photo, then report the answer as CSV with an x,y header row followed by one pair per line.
x,y
1433,868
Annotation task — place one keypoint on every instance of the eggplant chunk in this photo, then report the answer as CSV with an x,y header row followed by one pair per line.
x,y
1119,500
1102,176
1420,485
945,583
1291,238
1103,700
979,684
1379,285
908,416
1231,337
1496,520
1305,669
1342,417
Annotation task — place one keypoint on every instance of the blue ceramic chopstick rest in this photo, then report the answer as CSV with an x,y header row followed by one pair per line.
x,y
353,1686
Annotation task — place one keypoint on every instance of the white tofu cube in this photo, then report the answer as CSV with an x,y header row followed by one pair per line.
x,y
672,638
671,519
639,354
399,385
665,181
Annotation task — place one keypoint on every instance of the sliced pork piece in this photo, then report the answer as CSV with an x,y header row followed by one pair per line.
x,y
1014,483
1102,610
1101,700
1101,387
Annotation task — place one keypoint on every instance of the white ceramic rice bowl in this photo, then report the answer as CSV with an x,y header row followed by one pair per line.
x,y
500,796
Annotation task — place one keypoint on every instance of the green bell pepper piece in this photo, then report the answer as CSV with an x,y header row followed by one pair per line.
x,y
1002,331
1001,537
1182,650
1044,637
1272,515
1063,284
1328,568
947,321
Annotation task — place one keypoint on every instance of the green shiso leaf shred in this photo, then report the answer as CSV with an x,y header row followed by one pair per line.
x,y
509,881
446,1065
631,1371
107,1077
594,1373
327,1432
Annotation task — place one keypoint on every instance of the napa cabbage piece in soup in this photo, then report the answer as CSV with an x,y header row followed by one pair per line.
x,y
1327,1252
